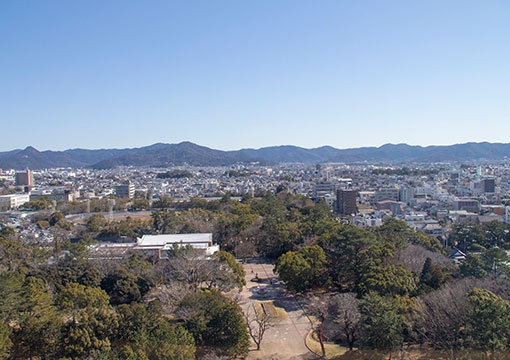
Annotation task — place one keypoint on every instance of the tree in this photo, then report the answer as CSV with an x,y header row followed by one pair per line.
x,y
441,317
56,217
5,341
145,333
346,314
472,266
215,321
257,324
495,234
191,268
388,280
347,250
96,222
90,331
396,232
93,320
11,286
76,297
495,261
381,325
488,323
465,235
237,270
38,326
303,270
122,286
431,276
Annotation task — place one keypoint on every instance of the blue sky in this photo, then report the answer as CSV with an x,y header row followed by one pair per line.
x,y
234,74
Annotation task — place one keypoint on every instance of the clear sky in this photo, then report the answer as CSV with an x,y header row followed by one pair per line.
x,y
241,73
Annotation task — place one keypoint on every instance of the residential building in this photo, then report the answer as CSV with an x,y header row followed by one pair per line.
x,y
126,190
346,201
24,178
387,193
470,205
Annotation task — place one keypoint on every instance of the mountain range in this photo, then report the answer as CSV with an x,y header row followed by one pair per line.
x,y
163,155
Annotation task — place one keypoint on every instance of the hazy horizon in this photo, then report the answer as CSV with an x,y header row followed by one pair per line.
x,y
256,148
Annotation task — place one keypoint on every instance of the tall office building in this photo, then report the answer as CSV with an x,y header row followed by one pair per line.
x,y
25,178
126,190
346,201
489,185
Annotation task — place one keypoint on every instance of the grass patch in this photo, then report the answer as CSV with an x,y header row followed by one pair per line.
x,y
282,314
332,350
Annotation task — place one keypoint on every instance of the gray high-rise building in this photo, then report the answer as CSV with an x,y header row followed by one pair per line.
x,y
25,178
489,185
346,201
125,190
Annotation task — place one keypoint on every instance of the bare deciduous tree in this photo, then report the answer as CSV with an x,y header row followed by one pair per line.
x,y
413,257
344,308
257,324
194,270
440,317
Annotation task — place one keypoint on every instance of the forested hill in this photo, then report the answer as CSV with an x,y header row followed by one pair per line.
x,y
188,153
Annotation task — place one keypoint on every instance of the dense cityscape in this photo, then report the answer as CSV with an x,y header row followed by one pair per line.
x,y
262,238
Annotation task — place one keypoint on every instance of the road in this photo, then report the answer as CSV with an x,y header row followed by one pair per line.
x,y
286,339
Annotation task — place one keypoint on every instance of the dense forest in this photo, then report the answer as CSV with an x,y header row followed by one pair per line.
x,y
381,290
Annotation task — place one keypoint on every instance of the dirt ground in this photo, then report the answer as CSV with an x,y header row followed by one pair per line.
x,y
286,339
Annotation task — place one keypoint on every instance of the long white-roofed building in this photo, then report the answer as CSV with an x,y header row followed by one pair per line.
x,y
161,244
155,245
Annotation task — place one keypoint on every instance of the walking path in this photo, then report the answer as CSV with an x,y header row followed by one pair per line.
x,y
286,339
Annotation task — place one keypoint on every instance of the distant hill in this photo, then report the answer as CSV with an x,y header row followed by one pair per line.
x,y
188,153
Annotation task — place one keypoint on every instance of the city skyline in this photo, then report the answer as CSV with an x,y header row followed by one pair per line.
x,y
236,75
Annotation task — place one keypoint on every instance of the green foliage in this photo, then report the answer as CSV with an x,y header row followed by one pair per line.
x,y
381,325
488,321
74,271
140,204
175,174
348,249
89,331
38,326
66,225
215,321
152,336
495,261
432,276
237,269
465,235
96,222
164,202
126,227
55,218
388,280
122,286
496,235
303,270
41,203
472,266
11,289
76,296
396,232
5,341
426,241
